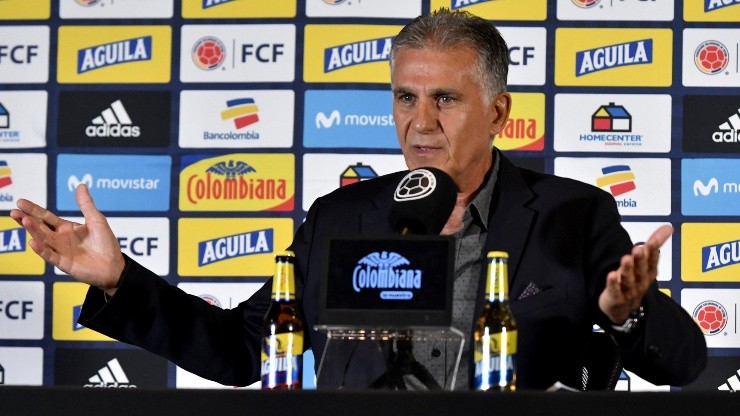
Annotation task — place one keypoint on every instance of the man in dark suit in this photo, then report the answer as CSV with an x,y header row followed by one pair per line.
x,y
572,265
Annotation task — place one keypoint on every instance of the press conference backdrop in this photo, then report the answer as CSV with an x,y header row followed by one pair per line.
x,y
206,124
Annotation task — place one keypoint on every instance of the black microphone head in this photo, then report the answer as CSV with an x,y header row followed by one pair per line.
x,y
423,202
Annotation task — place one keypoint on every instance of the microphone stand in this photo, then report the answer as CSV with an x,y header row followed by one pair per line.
x,y
401,362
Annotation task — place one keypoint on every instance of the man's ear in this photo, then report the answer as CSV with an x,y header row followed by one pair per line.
x,y
499,109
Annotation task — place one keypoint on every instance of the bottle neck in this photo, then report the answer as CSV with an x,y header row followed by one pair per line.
x,y
283,283
497,285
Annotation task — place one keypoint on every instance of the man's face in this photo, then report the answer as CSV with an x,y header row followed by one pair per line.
x,y
442,116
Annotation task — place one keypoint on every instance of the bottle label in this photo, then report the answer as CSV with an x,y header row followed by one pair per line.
x,y
282,360
283,283
494,360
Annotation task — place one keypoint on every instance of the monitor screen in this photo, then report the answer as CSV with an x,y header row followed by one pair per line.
x,y
390,282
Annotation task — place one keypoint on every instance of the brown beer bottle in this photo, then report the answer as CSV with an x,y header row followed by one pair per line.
x,y
495,334
282,330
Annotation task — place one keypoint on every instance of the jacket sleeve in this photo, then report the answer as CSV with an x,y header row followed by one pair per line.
x,y
217,344
667,348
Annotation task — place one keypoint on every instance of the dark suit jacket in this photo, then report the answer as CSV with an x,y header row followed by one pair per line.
x,y
562,236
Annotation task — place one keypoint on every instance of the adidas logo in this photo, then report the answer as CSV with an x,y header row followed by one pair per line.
x,y
733,383
113,122
729,132
110,376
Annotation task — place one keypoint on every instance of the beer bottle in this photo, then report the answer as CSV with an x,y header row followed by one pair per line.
x,y
282,330
495,334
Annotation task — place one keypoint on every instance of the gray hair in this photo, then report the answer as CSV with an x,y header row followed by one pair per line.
x,y
447,29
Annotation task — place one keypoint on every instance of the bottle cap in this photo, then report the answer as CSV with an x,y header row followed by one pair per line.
x,y
492,254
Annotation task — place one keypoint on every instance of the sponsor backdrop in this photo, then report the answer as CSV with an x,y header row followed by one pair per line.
x,y
206,128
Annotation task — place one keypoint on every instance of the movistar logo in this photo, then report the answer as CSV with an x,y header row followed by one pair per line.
x,y
232,246
384,270
323,121
362,120
342,56
613,56
100,56
711,5
720,255
711,187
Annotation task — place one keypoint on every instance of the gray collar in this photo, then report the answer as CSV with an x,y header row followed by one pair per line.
x,y
482,202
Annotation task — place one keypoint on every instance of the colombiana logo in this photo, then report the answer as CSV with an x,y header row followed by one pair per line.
x,y
711,57
417,184
334,2
711,317
209,53
383,270
87,3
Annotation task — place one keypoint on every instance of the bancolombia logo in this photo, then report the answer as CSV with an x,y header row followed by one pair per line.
x,y
383,270
238,182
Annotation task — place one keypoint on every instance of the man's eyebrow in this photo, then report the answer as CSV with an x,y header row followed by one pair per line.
x,y
401,90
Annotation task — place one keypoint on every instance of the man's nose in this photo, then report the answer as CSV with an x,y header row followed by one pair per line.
x,y
426,117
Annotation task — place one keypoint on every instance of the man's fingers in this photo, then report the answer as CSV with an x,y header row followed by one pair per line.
x,y
659,237
38,213
86,204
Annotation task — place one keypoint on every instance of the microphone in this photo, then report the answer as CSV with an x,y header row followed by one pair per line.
x,y
423,201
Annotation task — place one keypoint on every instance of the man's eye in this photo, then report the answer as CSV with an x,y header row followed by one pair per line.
x,y
446,100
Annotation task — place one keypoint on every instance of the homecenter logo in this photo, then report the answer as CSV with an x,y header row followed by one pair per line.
x,y
613,56
117,182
